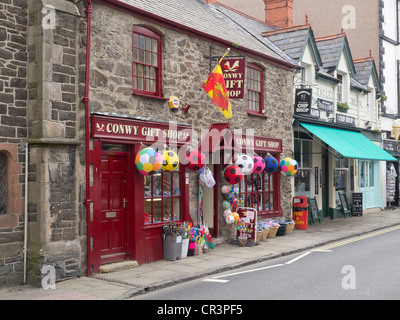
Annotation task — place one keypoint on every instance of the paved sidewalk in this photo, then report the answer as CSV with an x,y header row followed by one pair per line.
x,y
127,283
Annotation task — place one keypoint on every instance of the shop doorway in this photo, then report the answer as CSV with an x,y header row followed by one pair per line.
x,y
113,220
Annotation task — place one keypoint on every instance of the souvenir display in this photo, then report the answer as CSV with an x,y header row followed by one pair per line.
x,y
233,175
148,161
271,164
259,164
196,160
289,167
170,160
245,164
225,189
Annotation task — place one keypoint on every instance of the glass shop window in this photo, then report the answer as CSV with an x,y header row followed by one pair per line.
x,y
303,155
162,197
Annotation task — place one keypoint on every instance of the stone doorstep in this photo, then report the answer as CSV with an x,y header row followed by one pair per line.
x,y
118,266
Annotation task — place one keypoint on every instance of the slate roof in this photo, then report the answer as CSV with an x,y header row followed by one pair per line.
x,y
364,69
291,41
216,21
330,49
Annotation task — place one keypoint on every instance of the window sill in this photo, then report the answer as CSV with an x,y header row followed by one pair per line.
x,y
148,96
257,114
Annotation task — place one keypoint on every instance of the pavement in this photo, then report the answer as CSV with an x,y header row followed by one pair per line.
x,y
125,284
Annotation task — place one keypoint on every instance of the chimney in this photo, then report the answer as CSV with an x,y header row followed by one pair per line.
x,y
279,13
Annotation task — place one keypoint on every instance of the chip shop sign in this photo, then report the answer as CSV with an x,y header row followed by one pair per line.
x,y
128,129
233,71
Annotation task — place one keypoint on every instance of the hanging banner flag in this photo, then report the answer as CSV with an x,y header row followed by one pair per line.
x,y
233,70
216,89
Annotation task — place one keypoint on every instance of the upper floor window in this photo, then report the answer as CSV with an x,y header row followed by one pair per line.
x,y
146,65
340,89
255,88
3,184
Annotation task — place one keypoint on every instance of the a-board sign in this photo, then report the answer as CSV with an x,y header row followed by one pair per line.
x,y
314,209
345,204
357,204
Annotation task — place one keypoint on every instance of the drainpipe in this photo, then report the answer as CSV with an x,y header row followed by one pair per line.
x,y
26,213
87,137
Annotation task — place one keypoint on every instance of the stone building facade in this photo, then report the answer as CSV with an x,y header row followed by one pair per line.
x,y
42,103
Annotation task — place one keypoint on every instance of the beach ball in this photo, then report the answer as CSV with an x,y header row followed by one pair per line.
x,y
229,219
230,197
148,161
271,164
234,191
289,167
234,202
225,189
227,212
233,175
259,164
245,164
170,160
196,160
226,204
235,216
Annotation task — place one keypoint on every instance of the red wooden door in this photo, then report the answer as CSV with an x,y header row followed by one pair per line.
x,y
114,173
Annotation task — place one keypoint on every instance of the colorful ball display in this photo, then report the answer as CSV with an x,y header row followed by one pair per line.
x,y
230,197
229,219
271,164
259,164
148,161
170,160
234,191
196,160
225,189
226,204
233,175
245,164
288,167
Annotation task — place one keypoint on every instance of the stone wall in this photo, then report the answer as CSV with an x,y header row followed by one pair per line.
x,y
13,132
55,203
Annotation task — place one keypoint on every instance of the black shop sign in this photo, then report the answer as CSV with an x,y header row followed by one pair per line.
x,y
303,101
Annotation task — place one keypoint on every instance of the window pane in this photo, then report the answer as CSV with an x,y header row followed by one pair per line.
x,y
135,54
148,57
148,44
154,61
141,56
141,42
154,48
371,174
135,40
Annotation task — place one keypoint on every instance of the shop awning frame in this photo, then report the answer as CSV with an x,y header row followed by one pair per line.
x,y
350,144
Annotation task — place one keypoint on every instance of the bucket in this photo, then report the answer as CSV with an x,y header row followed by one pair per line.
x,y
192,246
281,230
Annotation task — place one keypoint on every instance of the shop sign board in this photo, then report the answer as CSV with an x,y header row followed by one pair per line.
x,y
325,105
347,120
128,129
357,204
303,101
258,143
392,146
249,216
233,71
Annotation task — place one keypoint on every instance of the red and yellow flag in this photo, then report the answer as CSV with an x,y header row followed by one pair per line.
x,y
216,89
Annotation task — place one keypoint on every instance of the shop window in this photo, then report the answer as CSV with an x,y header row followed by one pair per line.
x,y
162,197
341,179
303,156
3,184
255,89
258,191
146,65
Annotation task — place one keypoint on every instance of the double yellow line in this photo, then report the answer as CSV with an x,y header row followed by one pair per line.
x,y
369,235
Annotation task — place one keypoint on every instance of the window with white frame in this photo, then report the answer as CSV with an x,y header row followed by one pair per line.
x,y
303,156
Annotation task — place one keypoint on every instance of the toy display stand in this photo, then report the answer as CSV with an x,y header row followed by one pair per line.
x,y
250,215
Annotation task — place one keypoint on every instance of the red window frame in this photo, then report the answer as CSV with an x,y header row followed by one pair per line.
x,y
146,62
255,89
169,191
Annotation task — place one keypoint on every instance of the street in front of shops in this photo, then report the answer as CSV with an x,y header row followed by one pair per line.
x,y
361,268
139,282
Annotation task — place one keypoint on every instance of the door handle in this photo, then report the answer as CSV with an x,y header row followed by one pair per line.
x,y
125,201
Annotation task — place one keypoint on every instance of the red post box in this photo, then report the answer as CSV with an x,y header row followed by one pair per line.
x,y
300,212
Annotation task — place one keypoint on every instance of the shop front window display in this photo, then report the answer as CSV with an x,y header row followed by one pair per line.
x,y
257,191
162,197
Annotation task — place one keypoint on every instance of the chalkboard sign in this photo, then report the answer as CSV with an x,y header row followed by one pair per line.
x,y
314,210
357,205
345,204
